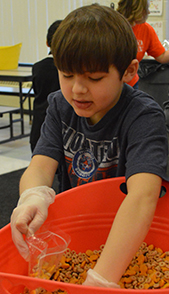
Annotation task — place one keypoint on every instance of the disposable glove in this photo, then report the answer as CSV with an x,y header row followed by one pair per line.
x,y
95,280
29,215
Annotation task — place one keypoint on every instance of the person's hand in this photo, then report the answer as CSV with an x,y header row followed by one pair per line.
x,y
95,280
29,215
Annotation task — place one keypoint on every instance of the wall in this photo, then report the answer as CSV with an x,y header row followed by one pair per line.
x,y
167,20
157,17
27,21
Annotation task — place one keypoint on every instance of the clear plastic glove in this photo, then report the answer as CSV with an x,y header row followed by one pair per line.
x,y
95,280
29,215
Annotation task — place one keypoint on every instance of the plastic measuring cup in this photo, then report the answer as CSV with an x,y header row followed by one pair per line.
x,y
46,250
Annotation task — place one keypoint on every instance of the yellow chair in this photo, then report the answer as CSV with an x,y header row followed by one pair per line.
x,y
9,56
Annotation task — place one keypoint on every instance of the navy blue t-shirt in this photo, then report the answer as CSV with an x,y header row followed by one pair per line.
x,y
131,138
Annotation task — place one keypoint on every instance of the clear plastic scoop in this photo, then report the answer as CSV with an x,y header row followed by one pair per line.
x,y
46,250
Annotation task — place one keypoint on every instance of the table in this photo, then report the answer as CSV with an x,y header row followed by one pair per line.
x,y
20,75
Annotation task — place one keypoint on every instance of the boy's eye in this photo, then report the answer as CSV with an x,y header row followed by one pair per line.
x,y
95,79
67,76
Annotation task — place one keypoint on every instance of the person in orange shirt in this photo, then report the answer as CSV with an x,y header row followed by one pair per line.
x,y
136,12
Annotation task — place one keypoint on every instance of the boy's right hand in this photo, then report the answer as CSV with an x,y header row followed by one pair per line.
x,y
29,215
95,280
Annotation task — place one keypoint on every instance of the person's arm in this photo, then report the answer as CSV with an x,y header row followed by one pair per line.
x,y
163,58
35,198
40,172
130,226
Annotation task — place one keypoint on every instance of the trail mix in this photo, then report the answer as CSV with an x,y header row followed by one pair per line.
x,y
149,269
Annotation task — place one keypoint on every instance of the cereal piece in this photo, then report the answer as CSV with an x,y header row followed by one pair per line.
x,y
151,247
154,277
65,265
165,286
159,274
141,286
140,259
161,283
141,279
166,277
73,280
51,269
68,274
93,257
156,285
101,247
80,258
83,263
143,269
159,250
89,252
163,255
162,264
127,280
148,285
164,269
135,268
130,272
128,286
121,284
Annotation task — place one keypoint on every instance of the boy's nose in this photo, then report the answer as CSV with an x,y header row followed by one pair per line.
x,y
79,86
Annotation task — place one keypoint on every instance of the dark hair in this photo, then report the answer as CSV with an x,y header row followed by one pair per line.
x,y
92,38
51,30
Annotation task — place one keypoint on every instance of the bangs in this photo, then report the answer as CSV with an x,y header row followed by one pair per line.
x,y
84,51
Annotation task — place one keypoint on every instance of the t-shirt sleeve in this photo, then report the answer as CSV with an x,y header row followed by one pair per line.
x,y
155,47
50,142
147,145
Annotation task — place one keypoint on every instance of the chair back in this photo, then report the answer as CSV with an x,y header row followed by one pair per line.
x,y
9,56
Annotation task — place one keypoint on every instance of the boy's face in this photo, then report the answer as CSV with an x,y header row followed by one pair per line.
x,y
91,95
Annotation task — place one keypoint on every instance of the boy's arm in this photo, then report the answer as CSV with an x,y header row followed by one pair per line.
x,y
41,172
130,226
36,196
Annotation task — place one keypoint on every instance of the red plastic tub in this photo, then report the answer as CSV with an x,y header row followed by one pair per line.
x,y
86,214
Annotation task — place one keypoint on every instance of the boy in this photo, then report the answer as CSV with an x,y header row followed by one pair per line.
x,y
97,127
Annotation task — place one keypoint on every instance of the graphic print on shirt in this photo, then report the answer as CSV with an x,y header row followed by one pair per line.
x,y
88,160
84,163
140,45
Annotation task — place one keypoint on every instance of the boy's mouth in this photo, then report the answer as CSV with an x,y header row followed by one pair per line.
x,y
82,104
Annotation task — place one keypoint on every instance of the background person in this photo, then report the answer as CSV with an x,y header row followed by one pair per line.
x,y
136,12
45,80
92,132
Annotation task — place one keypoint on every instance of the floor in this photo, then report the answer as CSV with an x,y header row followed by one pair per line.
x,y
16,154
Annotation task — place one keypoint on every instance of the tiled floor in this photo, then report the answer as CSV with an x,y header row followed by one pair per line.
x,y
15,154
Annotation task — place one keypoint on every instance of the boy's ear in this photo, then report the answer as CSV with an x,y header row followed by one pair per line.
x,y
130,71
